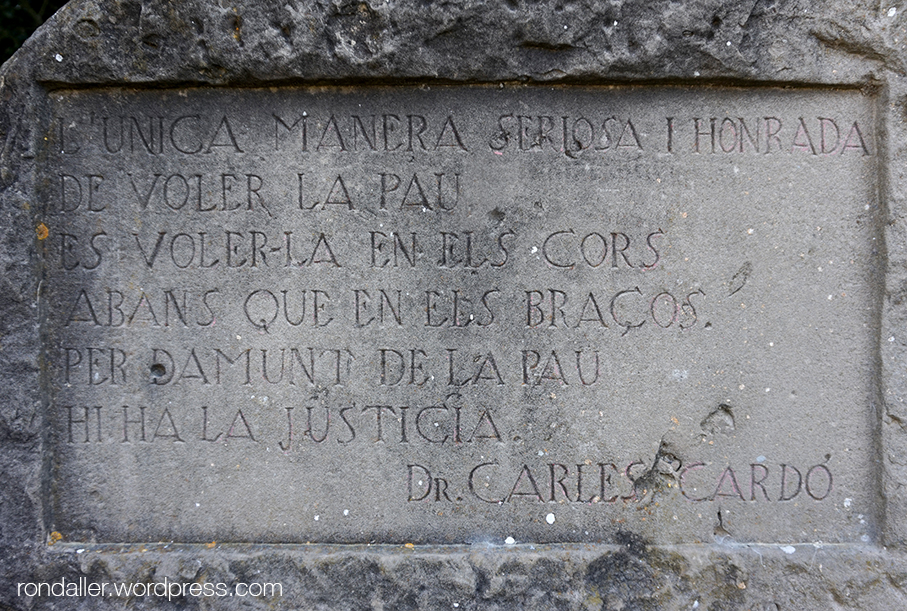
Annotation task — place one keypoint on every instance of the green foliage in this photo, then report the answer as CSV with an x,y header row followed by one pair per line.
x,y
19,19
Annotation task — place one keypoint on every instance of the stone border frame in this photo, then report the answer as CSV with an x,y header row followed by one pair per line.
x,y
156,43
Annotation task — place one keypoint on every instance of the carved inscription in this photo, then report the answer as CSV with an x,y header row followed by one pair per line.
x,y
461,307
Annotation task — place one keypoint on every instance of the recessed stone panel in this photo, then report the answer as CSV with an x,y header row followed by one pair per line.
x,y
458,314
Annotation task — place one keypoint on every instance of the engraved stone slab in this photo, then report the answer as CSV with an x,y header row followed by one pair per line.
x,y
457,314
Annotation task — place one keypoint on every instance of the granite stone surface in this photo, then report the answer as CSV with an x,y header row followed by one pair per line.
x,y
562,305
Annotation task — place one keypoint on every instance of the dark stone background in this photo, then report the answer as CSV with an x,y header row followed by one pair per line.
x,y
19,19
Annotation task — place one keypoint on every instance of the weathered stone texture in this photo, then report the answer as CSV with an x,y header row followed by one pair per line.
x,y
698,43
815,42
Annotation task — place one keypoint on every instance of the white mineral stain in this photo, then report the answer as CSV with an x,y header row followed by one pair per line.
x,y
788,549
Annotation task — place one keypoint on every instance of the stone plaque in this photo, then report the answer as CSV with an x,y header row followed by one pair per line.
x,y
460,314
